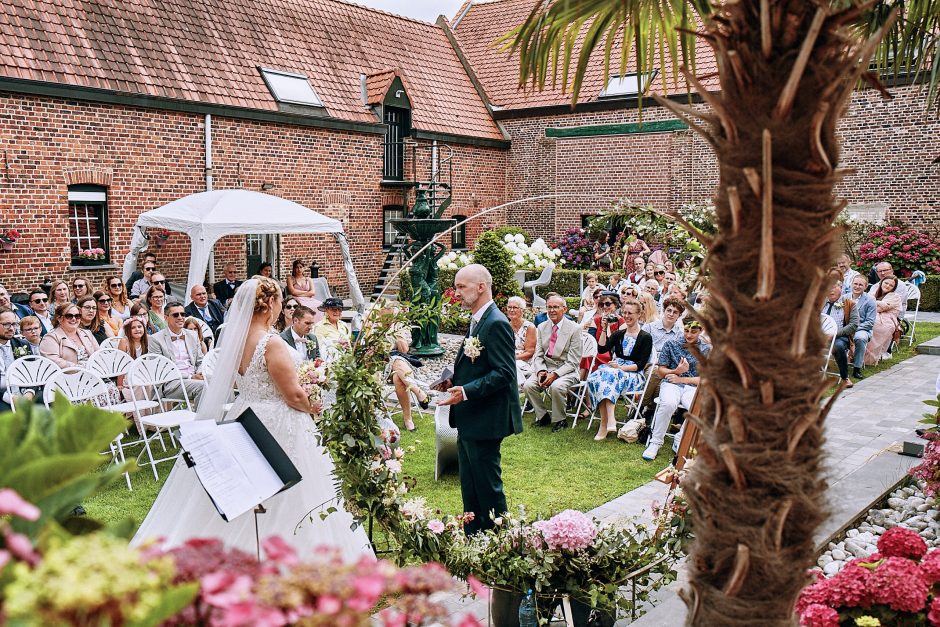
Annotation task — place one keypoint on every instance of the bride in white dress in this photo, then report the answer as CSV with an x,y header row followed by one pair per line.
x,y
265,369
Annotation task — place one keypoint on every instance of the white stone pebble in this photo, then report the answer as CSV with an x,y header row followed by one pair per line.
x,y
907,507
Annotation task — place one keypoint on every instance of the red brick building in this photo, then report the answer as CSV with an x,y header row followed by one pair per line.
x,y
107,109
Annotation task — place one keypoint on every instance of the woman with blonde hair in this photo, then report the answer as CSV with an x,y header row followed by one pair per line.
x,y
120,303
192,324
265,369
59,295
649,312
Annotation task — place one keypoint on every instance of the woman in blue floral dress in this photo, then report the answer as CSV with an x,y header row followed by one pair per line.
x,y
631,349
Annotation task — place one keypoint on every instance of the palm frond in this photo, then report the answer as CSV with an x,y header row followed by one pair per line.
x,y
911,46
557,32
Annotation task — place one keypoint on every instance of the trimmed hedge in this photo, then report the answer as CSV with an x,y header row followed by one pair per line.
x,y
930,293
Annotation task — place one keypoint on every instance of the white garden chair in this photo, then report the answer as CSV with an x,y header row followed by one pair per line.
x,y
830,328
30,372
82,386
109,364
580,389
913,294
148,376
543,279
110,342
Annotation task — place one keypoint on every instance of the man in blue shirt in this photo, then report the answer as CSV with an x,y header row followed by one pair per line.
x,y
867,311
678,367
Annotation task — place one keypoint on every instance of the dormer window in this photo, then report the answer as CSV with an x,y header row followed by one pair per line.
x,y
290,88
628,85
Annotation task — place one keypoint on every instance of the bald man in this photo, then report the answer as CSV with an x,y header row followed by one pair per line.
x,y
483,398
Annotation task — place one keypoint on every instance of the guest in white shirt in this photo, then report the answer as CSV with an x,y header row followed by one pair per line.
x,y
588,292
844,263
181,346
39,303
8,326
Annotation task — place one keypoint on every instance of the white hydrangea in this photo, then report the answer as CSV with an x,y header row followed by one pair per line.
x,y
464,260
519,238
508,238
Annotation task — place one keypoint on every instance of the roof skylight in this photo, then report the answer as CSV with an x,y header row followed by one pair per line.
x,y
627,85
290,88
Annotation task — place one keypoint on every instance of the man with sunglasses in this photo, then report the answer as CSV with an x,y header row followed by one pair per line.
x,y
142,284
39,303
136,275
181,346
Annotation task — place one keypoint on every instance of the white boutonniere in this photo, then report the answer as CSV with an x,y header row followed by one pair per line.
x,y
21,351
839,304
472,348
311,346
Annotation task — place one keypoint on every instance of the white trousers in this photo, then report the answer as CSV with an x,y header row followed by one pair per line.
x,y
671,397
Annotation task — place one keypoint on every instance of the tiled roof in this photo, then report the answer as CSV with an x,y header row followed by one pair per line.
x,y
377,86
485,21
210,50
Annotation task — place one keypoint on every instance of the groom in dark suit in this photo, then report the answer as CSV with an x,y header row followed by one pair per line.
x,y
484,398
298,335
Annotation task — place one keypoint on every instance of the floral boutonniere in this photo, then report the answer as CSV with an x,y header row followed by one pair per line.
x,y
472,348
21,351
311,345
839,304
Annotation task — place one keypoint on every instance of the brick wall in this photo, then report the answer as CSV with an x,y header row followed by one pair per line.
x,y
890,144
147,158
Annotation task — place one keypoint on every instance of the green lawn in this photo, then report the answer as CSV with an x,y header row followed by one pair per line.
x,y
544,471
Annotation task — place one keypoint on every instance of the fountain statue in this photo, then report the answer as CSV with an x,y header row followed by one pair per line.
x,y
422,228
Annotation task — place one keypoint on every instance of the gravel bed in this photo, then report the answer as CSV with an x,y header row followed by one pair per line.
x,y
906,507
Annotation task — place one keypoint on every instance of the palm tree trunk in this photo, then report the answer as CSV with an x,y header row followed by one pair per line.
x,y
787,69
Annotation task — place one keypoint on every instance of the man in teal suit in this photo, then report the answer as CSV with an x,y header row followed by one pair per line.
x,y
484,398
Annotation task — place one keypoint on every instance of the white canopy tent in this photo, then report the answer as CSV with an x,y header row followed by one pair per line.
x,y
208,216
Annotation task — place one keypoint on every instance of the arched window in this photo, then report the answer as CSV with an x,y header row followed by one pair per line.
x,y
458,237
88,224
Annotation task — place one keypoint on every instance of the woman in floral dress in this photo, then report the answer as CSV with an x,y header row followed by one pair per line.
x,y
635,248
631,348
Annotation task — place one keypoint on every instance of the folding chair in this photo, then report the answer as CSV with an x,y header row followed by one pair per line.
x,y
580,389
913,294
109,364
634,399
30,372
110,342
82,386
148,375
390,398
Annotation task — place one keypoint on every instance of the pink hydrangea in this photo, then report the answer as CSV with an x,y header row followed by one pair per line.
x,y
933,613
930,567
568,530
849,587
899,584
901,542
817,615
813,594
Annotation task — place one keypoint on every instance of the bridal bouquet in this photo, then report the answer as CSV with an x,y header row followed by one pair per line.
x,y
313,375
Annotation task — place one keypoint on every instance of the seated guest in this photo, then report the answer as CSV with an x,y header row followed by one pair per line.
x,y
136,275
887,308
21,311
39,304
134,339
629,292
80,289
555,364
196,325
181,346
844,263
301,287
141,285
607,322
266,269
867,313
156,302
299,336
845,314
659,275
31,330
8,326
287,312
331,331
678,368
650,308
639,271
652,287
668,327
542,316
631,348
589,309
60,295
588,292
90,320
120,303
104,302
209,310
524,332
883,271
224,290
68,344
399,371
613,283
139,311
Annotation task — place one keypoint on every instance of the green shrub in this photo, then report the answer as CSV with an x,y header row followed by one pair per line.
x,y
489,252
930,293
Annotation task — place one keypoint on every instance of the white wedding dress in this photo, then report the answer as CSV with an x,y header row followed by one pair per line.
x,y
183,510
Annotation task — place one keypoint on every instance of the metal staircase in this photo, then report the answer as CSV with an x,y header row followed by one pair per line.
x,y
438,189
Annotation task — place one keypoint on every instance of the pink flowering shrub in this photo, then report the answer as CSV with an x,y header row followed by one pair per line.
x,y
896,586
577,249
905,249
929,468
569,530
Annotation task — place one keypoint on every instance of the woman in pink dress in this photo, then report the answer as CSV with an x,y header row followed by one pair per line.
x,y
888,306
633,250
301,288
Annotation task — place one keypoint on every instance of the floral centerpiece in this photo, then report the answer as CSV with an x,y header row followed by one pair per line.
x,y
898,585
91,254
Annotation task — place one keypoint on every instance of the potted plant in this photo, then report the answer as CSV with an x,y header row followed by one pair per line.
x,y
8,238
162,236
90,256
